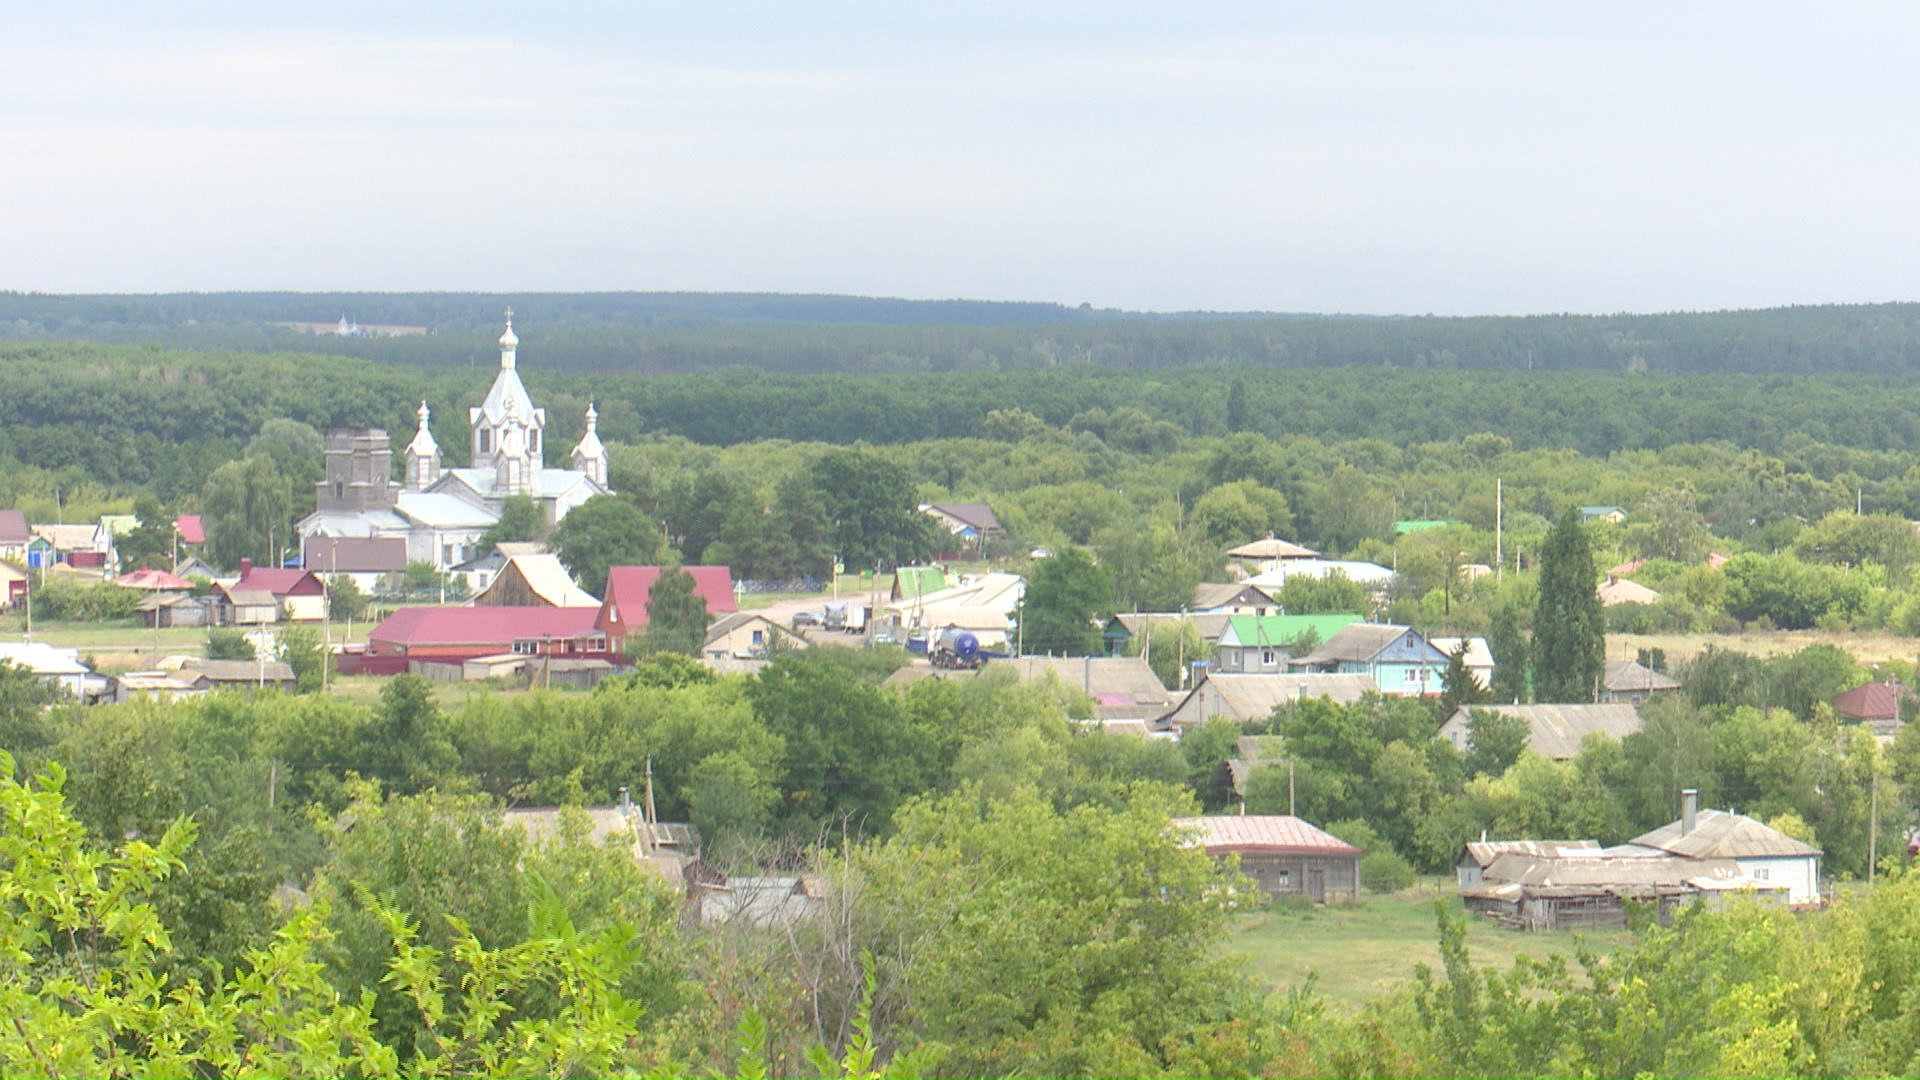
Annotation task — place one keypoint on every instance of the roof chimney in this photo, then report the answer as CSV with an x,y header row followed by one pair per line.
x,y
246,566
1689,808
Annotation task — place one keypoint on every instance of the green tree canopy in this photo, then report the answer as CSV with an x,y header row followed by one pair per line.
x,y
873,506
676,616
1068,597
604,532
248,511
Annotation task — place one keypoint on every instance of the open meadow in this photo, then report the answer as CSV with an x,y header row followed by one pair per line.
x,y
1357,951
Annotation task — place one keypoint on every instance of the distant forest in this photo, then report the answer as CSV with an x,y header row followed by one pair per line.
x,y
161,419
692,333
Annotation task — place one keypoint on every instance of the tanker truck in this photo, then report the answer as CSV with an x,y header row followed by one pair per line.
x,y
956,648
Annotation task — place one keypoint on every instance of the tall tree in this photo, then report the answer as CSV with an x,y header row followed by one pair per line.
x,y
676,616
1508,640
604,532
874,509
249,512
1237,417
1569,635
1066,593
1459,685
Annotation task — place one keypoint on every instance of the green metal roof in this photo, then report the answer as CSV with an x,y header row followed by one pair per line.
x,y
1400,527
1245,630
914,582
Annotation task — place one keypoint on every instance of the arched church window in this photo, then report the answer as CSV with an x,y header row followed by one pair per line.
x,y
486,441
533,441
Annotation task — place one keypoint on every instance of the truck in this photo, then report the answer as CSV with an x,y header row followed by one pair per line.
x,y
956,649
834,616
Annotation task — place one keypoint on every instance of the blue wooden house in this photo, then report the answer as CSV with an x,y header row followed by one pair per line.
x,y
1399,658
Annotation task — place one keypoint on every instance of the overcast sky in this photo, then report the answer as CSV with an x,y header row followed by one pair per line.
x,y
1383,158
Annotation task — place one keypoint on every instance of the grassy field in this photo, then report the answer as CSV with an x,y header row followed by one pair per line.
x,y
1360,951
1866,647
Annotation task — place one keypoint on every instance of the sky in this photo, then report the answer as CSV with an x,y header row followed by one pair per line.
x,y
1385,158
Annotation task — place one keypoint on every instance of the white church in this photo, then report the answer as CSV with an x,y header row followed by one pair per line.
x,y
441,512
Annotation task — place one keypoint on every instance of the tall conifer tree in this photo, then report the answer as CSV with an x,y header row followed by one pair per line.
x,y
1569,636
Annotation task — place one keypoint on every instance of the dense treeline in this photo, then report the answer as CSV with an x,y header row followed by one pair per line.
x,y
656,333
108,409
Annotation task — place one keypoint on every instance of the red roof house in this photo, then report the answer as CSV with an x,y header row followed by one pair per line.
x,y
1877,704
281,583
458,634
190,529
624,612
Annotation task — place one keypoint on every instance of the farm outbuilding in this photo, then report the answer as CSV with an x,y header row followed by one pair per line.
x,y
1283,855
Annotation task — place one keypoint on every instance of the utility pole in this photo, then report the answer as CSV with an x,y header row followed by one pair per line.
x,y
1873,827
1290,812
1499,515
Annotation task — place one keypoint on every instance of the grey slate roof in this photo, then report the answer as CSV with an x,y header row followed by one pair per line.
x,y
1720,835
1626,676
1553,731
1483,852
1356,644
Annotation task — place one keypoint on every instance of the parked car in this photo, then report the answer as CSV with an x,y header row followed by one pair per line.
x,y
805,618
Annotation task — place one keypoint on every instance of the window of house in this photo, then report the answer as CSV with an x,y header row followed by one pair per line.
x,y
486,441
527,648
759,637
1266,657
596,644
613,613
1761,873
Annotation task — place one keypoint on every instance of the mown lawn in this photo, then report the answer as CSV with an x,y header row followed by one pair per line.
x,y
1358,951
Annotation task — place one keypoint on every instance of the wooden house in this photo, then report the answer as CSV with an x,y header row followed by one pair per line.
x,y
1284,855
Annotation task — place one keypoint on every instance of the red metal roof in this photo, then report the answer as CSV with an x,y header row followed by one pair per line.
x,y
158,580
629,587
13,527
1265,834
190,529
1874,701
279,582
501,626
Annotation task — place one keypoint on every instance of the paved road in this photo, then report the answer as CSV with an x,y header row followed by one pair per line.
x,y
783,611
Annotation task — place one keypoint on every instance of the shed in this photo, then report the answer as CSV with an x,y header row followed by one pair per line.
x,y
1471,867
1284,855
1585,892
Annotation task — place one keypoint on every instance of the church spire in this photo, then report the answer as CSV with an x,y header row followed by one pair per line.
x,y
508,343
423,455
590,457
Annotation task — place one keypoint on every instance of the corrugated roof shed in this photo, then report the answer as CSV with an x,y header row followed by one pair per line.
x,y
1720,835
1263,834
1483,852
